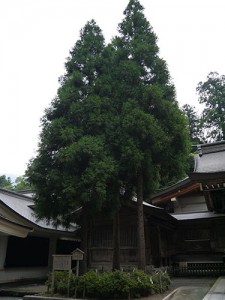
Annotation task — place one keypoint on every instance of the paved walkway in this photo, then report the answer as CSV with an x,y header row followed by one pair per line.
x,y
197,286
22,289
217,291
204,283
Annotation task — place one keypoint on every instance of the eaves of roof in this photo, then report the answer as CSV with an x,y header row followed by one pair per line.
x,y
13,228
35,225
17,194
154,211
197,216
210,176
182,187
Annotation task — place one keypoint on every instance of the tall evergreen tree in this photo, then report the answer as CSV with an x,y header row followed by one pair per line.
x,y
152,140
73,167
114,130
194,124
212,95
21,183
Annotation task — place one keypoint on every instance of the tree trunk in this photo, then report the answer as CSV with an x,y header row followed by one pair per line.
x,y
116,242
140,223
84,242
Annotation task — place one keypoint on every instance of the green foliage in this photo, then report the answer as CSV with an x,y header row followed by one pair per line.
x,y
194,124
212,95
21,183
106,284
160,280
74,166
61,282
117,284
5,182
140,284
114,120
153,133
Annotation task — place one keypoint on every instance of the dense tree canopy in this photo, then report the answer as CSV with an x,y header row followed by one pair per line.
x,y
194,124
152,138
73,166
114,129
20,183
6,182
212,96
154,123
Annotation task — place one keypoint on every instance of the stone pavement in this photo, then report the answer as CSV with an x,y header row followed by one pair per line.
x,y
21,289
204,284
197,286
217,291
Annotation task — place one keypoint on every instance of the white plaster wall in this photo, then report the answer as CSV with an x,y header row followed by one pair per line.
x,y
190,204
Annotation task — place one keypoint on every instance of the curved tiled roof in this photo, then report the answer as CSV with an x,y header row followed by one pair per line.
x,y
21,206
211,158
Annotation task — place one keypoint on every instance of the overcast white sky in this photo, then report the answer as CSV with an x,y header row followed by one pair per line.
x,y
35,38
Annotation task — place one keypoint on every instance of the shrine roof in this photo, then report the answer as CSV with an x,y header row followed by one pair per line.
x,y
209,162
181,187
210,158
197,215
19,208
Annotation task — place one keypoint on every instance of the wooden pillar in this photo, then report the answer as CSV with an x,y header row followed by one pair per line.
x,y
51,251
84,241
3,250
116,242
148,241
160,246
208,200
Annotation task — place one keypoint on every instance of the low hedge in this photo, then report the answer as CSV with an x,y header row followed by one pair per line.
x,y
105,285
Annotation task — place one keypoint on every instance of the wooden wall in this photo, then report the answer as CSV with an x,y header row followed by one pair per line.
x,y
158,248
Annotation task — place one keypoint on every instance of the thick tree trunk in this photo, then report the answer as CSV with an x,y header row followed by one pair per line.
x,y
84,242
140,223
116,242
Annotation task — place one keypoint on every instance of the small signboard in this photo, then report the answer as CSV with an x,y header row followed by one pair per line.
x,y
77,254
62,262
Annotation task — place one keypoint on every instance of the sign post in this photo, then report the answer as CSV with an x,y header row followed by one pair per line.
x,y
61,263
77,255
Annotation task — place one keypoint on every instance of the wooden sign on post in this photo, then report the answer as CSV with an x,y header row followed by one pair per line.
x,y
77,255
61,263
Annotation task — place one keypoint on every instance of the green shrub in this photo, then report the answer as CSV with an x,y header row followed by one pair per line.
x,y
115,284
104,285
140,284
60,282
161,281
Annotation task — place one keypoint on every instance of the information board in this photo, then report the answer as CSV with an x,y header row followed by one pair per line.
x,y
62,262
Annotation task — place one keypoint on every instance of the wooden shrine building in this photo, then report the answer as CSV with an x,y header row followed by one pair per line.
x,y
198,204
184,224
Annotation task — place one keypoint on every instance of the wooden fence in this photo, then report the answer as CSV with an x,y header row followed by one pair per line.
x,y
198,269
